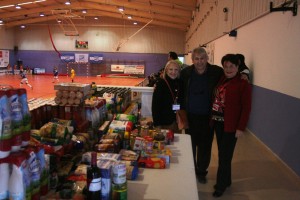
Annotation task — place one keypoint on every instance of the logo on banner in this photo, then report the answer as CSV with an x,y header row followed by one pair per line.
x,y
95,58
68,57
81,57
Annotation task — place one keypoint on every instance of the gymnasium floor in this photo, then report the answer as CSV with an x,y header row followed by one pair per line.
x,y
44,88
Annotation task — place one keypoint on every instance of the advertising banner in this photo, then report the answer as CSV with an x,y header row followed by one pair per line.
x,y
82,57
4,58
95,58
117,68
134,69
68,57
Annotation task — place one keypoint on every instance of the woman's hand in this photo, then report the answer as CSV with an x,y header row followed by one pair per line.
x,y
239,133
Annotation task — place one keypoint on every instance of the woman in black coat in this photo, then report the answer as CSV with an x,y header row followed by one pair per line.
x,y
167,98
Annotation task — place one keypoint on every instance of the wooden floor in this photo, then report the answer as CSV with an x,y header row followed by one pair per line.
x,y
44,88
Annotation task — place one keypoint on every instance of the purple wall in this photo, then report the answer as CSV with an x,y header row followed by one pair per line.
x,y
275,121
48,59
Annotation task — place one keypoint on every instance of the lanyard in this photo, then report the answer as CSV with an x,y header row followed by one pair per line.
x,y
174,99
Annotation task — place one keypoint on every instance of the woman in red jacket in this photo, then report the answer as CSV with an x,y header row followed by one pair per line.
x,y
230,114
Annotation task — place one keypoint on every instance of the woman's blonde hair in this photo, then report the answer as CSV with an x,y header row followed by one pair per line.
x,y
168,65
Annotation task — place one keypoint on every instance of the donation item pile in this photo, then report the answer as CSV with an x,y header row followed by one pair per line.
x,y
88,141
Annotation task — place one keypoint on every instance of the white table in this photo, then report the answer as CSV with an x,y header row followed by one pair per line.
x,y
178,181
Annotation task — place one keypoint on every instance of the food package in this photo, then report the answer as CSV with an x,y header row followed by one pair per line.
x,y
86,157
166,154
121,126
110,148
129,155
106,178
54,133
149,162
126,117
132,170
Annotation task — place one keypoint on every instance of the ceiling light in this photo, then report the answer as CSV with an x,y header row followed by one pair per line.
x,y
84,11
18,6
68,2
38,1
121,9
7,6
129,17
1,21
22,26
29,2
96,18
58,21
42,14
135,23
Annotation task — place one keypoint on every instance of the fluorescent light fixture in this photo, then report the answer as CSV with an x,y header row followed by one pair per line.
x,y
129,17
39,1
25,3
29,2
18,6
7,6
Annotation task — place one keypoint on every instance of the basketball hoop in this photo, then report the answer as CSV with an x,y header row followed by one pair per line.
x,y
64,19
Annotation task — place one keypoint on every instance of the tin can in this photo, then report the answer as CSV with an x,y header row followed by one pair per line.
x,y
119,173
119,185
144,131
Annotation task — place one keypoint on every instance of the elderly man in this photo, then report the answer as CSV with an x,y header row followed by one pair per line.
x,y
199,82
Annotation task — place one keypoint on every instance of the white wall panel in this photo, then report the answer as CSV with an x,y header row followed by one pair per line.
x,y
271,47
105,39
7,38
219,23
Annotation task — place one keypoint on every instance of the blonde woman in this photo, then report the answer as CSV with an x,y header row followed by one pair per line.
x,y
167,98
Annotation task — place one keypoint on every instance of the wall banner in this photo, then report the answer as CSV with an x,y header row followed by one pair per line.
x,y
81,57
95,58
68,57
134,69
4,58
117,68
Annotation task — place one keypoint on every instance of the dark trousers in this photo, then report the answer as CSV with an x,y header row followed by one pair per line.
x,y
202,137
226,143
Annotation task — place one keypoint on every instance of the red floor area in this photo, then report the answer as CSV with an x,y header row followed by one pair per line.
x,y
44,88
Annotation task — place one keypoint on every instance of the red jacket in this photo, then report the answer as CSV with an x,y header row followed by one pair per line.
x,y
237,104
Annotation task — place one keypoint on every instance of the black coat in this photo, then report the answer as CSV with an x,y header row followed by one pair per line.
x,y
162,101
214,73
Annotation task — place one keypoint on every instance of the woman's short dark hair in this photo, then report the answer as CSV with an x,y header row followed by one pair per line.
x,y
173,55
231,58
241,57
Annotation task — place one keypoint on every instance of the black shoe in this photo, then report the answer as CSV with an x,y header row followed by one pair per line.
x,y
202,179
218,193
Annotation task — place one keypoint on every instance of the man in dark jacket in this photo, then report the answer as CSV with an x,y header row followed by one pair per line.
x,y
199,81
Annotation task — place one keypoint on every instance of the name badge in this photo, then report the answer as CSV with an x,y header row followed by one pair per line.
x,y
176,107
